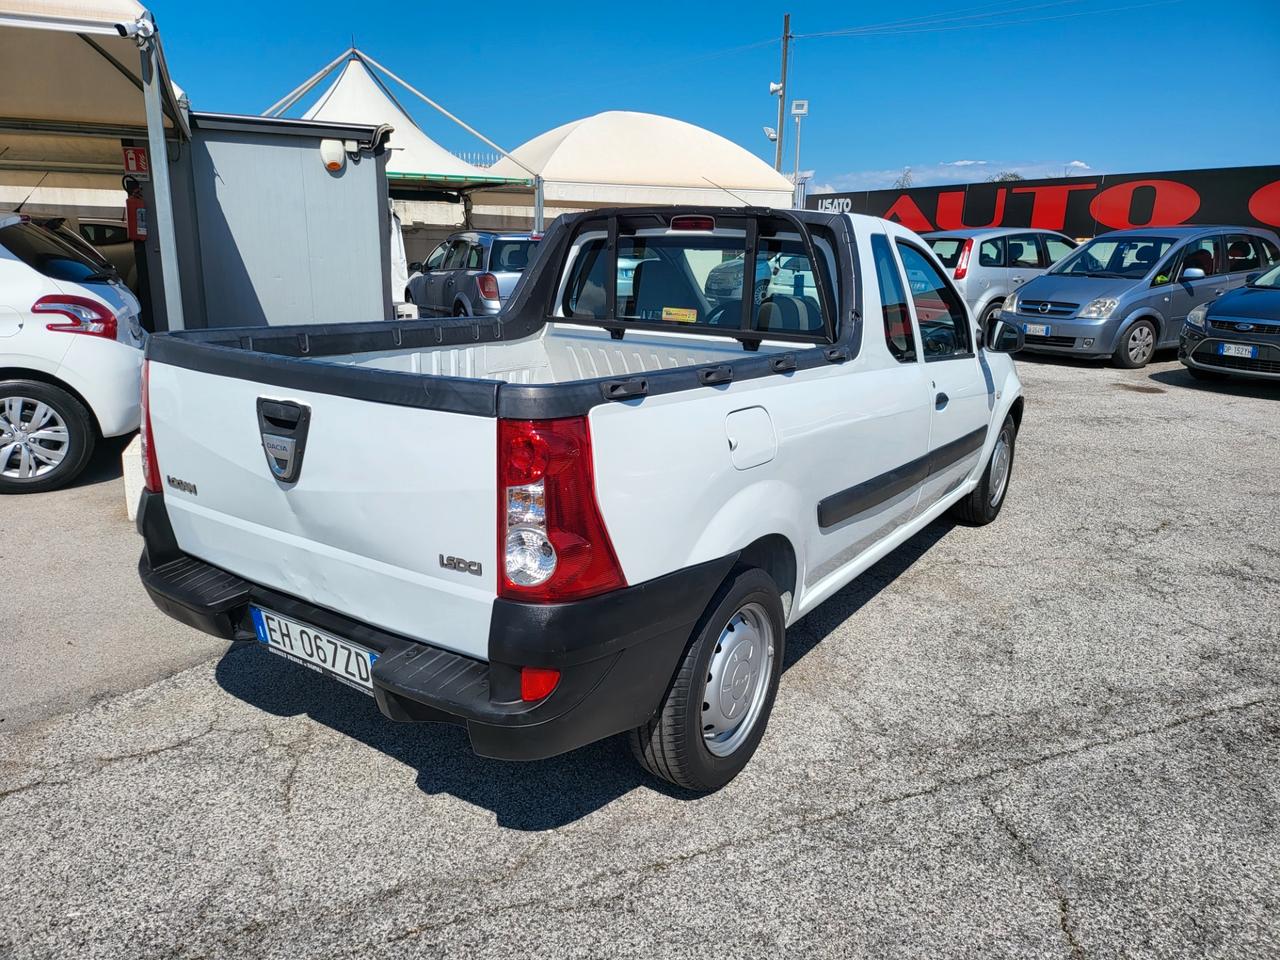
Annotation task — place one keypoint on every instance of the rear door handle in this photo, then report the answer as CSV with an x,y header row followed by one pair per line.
x,y
940,401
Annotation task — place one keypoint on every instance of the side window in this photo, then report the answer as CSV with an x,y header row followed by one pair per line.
x,y
457,255
584,295
893,302
991,252
944,322
1206,254
1242,253
1270,250
434,261
1165,273
1055,247
1024,252
475,256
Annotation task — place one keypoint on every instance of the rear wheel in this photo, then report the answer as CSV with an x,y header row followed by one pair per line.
x,y
1137,346
460,310
983,504
718,705
46,437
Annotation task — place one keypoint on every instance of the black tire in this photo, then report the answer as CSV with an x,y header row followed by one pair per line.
x,y
978,508
984,321
1125,357
671,745
82,435
460,310
1207,375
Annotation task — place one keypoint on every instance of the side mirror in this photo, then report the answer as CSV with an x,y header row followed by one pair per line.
x,y
415,266
1003,336
1251,279
1192,273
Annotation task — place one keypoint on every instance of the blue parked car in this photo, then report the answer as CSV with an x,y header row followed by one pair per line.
x,y
1126,294
1236,335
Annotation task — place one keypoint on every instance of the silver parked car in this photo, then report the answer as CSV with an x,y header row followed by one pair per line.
x,y
987,265
1126,294
471,274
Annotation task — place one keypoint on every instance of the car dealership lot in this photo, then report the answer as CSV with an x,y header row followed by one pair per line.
x,y
1054,736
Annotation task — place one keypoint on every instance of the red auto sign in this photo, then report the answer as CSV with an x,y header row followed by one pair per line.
x,y
1079,206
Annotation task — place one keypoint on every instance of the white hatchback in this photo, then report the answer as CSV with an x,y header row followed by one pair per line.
x,y
70,357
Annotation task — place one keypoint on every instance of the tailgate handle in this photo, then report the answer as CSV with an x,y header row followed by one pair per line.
x,y
281,415
283,426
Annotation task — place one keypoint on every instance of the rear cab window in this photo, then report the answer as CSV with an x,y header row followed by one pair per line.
x,y
510,256
48,254
947,249
695,281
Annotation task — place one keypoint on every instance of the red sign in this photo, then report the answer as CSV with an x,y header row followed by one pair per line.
x,y
136,163
1080,206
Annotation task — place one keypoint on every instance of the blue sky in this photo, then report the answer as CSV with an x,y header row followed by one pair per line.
x,y
1034,86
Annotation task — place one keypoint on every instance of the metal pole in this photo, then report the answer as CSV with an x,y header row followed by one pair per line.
x,y
289,99
795,174
162,222
782,94
538,198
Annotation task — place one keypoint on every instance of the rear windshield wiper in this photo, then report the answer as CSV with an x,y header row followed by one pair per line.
x,y
100,276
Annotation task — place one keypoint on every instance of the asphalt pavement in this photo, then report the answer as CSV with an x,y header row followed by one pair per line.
x,y
1055,736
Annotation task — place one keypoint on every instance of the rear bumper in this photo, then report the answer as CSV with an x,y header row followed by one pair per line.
x,y
616,653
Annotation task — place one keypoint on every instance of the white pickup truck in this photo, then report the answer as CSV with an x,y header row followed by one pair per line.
x,y
596,512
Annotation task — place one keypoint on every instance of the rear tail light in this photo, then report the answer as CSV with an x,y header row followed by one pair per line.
x,y
537,682
488,285
693,223
150,466
552,541
82,315
962,265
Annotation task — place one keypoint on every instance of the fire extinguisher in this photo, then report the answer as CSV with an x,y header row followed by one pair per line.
x,y
135,211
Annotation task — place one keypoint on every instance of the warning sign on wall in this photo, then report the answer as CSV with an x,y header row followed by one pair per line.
x,y
136,164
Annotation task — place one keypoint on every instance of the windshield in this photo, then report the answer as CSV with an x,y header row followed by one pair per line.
x,y
1115,257
1270,279
511,256
48,254
947,249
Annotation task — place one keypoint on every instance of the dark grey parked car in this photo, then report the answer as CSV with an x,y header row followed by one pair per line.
x,y
1126,294
470,274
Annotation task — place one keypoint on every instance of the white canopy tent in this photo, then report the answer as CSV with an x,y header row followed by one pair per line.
x,y
620,157
75,79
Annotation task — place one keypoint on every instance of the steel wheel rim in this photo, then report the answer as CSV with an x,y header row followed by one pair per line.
x,y
737,680
1001,460
34,439
1141,343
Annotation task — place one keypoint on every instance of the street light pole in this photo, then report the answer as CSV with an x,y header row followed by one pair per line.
x,y
795,176
782,92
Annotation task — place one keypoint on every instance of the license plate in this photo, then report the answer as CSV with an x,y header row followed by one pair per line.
x,y
1237,350
1036,329
317,649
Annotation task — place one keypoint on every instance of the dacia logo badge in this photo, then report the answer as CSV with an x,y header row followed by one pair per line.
x,y
280,452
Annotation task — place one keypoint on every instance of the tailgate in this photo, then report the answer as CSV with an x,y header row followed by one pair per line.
x,y
384,493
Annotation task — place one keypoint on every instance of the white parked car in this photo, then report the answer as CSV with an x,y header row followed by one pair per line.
x,y
70,357
669,481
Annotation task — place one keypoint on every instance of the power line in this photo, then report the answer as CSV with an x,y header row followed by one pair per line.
x,y
999,8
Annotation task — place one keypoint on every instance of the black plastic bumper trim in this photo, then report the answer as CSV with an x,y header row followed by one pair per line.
x,y
869,494
616,653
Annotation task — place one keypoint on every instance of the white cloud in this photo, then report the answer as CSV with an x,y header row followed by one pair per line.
x,y
946,172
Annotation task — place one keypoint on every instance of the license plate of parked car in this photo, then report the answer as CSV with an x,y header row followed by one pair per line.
x,y
1036,329
1237,350
317,649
